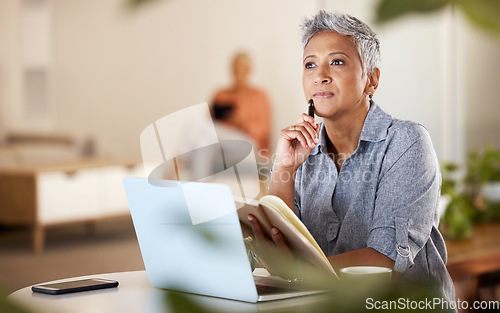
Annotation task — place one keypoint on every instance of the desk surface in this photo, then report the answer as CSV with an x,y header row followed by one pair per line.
x,y
135,294
477,255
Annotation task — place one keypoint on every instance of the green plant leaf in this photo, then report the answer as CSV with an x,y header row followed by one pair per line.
x,y
7,306
136,3
450,167
483,13
388,10
183,303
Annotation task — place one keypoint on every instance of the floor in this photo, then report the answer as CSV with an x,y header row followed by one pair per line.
x,y
69,251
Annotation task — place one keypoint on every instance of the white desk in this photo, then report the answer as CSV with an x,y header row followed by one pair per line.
x,y
135,294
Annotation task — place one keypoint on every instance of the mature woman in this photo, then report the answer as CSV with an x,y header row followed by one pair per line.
x,y
365,184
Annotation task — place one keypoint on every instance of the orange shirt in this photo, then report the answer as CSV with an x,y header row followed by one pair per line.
x,y
251,114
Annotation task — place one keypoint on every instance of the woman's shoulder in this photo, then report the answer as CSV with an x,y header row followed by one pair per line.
x,y
408,141
408,131
408,137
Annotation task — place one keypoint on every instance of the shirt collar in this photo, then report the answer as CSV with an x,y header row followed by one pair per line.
x,y
374,129
376,125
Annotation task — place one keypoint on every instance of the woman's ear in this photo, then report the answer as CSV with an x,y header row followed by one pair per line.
x,y
372,81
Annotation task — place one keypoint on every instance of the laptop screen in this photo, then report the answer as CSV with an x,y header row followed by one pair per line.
x,y
206,258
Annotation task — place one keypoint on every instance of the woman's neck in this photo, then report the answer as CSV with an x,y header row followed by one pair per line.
x,y
343,133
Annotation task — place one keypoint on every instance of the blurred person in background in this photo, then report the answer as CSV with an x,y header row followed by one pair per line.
x,y
245,107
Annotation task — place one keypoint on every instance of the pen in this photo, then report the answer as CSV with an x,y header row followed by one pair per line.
x,y
310,109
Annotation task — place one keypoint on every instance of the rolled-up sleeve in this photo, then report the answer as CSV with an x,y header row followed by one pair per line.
x,y
406,200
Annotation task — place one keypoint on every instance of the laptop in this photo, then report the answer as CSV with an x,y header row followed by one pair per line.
x,y
206,258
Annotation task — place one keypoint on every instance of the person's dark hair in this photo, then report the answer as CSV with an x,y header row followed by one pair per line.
x,y
364,38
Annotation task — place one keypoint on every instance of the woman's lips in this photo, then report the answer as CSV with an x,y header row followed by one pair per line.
x,y
323,94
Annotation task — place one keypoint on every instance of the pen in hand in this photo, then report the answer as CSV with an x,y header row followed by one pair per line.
x,y
310,109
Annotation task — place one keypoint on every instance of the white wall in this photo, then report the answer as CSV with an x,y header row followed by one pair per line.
x,y
441,71
481,88
10,76
26,93
117,71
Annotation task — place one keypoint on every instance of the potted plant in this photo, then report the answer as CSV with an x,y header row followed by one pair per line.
x,y
457,211
475,198
485,170
483,183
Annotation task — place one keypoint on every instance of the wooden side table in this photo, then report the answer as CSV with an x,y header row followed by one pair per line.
x,y
469,259
45,195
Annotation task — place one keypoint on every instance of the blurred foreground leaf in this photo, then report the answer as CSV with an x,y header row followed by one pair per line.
x,y
7,306
136,3
181,303
483,13
354,296
388,10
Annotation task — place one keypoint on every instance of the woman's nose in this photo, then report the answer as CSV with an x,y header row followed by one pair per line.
x,y
322,76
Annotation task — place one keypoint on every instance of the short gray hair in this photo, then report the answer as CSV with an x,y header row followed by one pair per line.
x,y
364,38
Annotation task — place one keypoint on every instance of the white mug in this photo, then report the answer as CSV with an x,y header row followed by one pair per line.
x,y
362,273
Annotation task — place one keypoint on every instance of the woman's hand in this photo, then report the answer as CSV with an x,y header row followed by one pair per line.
x,y
274,253
295,143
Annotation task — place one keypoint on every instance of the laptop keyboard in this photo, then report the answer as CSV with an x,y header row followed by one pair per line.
x,y
269,290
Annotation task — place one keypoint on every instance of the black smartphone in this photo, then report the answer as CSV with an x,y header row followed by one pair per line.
x,y
75,286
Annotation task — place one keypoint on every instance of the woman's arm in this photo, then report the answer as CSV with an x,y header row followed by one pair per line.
x,y
283,185
277,256
294,145
360,257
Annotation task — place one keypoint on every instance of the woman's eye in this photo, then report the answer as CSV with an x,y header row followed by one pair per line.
x,y
309,65
337,62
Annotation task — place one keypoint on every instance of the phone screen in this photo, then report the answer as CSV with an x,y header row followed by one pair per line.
x,y
75,286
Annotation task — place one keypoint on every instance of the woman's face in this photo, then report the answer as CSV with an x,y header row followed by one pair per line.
x,y
333,76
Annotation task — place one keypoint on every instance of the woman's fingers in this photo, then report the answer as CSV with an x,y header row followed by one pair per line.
x,y
306,124
257,230
277,236
274,253
296,142
304,133
309,132
304,118
279,240
296,132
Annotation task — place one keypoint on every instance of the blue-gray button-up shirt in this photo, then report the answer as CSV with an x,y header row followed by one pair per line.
x,y
385,197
